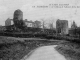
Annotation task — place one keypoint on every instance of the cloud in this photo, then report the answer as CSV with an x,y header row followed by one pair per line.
x,y
38,3
3,14
3,9
27,7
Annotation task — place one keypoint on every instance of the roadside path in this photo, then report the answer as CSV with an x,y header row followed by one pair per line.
x,y
45,53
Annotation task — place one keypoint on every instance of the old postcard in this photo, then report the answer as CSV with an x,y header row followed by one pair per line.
x,y
39,30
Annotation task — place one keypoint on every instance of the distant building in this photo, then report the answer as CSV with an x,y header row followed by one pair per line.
x,y
8,22
62,26
73,26
18,18
37,24
74,29
29,23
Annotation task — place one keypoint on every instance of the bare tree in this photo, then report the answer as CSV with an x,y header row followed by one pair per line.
x,y
43,24
51,25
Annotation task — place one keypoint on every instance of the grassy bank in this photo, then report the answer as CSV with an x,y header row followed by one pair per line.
x,y
13,49
70,50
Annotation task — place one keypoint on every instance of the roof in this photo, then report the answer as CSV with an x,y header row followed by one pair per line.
x,y
28,21
18,11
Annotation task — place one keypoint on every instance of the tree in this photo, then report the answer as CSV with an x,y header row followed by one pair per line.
x,y
51,25
74,26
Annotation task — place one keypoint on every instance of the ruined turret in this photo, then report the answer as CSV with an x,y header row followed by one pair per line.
x,y
18,18
62,26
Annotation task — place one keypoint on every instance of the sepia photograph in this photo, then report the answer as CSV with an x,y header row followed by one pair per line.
x,y
39,29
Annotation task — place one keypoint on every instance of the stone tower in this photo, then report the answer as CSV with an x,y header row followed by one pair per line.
x,y
18,18
62,26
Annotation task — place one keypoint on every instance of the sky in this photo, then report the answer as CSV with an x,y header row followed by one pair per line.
x,y
7,8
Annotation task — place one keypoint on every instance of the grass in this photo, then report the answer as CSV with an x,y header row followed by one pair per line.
x,y
16,48
70,50
13,49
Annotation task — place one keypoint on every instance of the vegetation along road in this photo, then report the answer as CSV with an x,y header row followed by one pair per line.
x,y
27,49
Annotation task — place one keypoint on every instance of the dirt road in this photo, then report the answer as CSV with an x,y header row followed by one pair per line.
x,y
45,53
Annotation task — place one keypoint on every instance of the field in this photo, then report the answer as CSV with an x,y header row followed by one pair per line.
x,y
12,48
